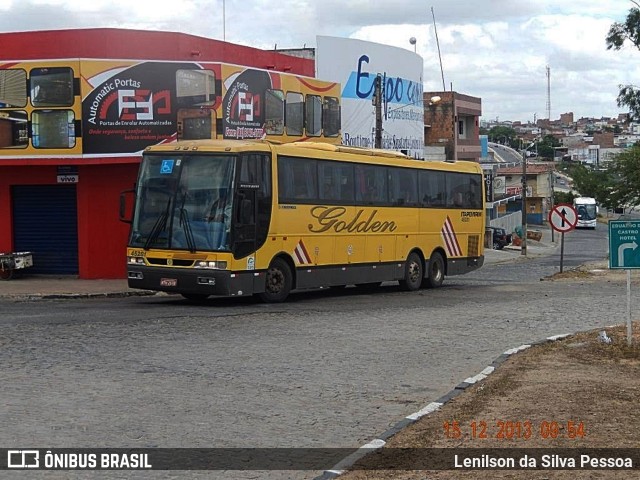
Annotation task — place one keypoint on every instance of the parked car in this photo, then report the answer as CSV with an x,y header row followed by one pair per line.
x,y
500,238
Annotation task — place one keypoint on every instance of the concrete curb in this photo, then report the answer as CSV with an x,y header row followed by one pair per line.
x,y
74,296
379,442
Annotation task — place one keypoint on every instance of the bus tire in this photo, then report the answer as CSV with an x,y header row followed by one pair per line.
x,y
435,272
412,273
278,282
6,274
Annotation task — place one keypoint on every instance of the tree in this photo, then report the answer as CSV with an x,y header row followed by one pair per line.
x,y
504,135
598,184
546,146
619,33
563,197
625,172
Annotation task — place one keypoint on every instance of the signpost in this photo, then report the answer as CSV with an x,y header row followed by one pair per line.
x,y
563,217
624,239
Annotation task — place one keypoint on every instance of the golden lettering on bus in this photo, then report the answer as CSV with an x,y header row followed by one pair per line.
x,y
333,218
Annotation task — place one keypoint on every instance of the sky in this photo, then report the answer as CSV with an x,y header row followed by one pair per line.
x,y
497,50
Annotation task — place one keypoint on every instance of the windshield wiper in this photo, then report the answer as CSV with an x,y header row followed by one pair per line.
x,y
188,233
159,226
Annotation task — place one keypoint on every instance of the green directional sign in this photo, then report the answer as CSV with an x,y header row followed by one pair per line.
x,y
624,244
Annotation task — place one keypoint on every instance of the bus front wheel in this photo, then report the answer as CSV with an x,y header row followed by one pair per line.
x,y
412,273
278,282
6,274
435,273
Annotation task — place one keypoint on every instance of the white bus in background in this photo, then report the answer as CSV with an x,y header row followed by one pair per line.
x,y
587,210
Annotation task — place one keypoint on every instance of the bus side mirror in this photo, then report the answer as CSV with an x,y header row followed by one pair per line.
x,y
123,206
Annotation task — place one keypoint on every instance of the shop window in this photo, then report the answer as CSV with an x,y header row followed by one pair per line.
x,y
53,129
51,87
13,88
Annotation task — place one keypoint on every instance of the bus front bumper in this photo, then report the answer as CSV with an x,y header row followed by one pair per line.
x,y
195,281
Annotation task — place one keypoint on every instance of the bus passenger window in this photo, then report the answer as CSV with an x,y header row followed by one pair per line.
x,y
371,185
51,87
294,113
331,117
432,188
402,187
297,180
274,112
313,115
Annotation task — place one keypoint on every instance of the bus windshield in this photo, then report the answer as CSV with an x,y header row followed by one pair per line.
x,y
184,202
587,212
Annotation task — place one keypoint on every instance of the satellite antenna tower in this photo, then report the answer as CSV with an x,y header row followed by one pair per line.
x,y
548,93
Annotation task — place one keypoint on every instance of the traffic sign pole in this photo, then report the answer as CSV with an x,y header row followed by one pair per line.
x,y
563,217
629,335
561,250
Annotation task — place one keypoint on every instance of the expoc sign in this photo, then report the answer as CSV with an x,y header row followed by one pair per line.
x,y
356,64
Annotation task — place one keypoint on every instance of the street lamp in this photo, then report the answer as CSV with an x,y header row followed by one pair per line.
x,y
413,41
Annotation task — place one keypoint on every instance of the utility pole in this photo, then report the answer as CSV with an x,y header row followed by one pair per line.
x,y
524,204
551,182
377,102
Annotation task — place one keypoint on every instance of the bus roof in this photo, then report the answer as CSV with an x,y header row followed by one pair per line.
x,y
314,150
584,200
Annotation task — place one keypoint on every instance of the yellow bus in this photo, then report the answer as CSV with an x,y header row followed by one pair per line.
x,y
301,215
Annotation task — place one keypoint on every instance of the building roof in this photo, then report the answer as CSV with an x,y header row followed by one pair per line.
x,y
116,43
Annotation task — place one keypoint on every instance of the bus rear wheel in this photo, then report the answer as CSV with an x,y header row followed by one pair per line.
x,y
435,272
278,283
412,273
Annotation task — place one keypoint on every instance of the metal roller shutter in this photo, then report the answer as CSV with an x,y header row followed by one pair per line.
x,y
45,222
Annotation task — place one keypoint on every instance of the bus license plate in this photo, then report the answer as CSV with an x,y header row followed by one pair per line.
x,y
168,282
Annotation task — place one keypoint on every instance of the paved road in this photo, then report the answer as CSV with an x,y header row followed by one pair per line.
x,y
324,370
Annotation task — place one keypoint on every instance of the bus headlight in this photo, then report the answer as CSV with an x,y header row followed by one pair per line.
x,y
135,260
217,265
